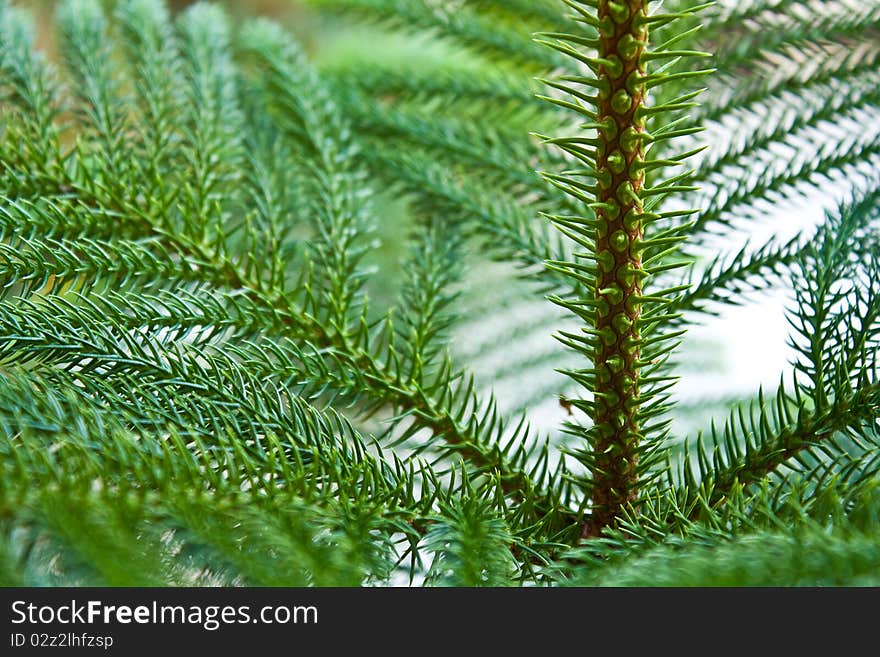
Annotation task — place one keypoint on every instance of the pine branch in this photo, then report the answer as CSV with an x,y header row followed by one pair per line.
x,y
189,362
821,63
446,89
769,558
31,151
456,419
461,25
427,300
313,122
85,44
770,28
212,125
726,281
145,493
618,314
151,48
519,237
831,158
770,442
478,148
470,544
841,384
787,115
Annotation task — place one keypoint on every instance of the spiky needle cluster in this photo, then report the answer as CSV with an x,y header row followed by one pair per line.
x,y
237,290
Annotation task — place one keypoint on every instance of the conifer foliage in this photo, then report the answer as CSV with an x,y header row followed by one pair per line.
x,y
195,387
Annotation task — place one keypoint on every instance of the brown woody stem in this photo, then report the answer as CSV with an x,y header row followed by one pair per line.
x,y
620,177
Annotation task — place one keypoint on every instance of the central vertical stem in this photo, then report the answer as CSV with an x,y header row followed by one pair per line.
x,y
620,176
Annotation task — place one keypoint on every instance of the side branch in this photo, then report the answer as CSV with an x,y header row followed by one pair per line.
x,y
788,441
